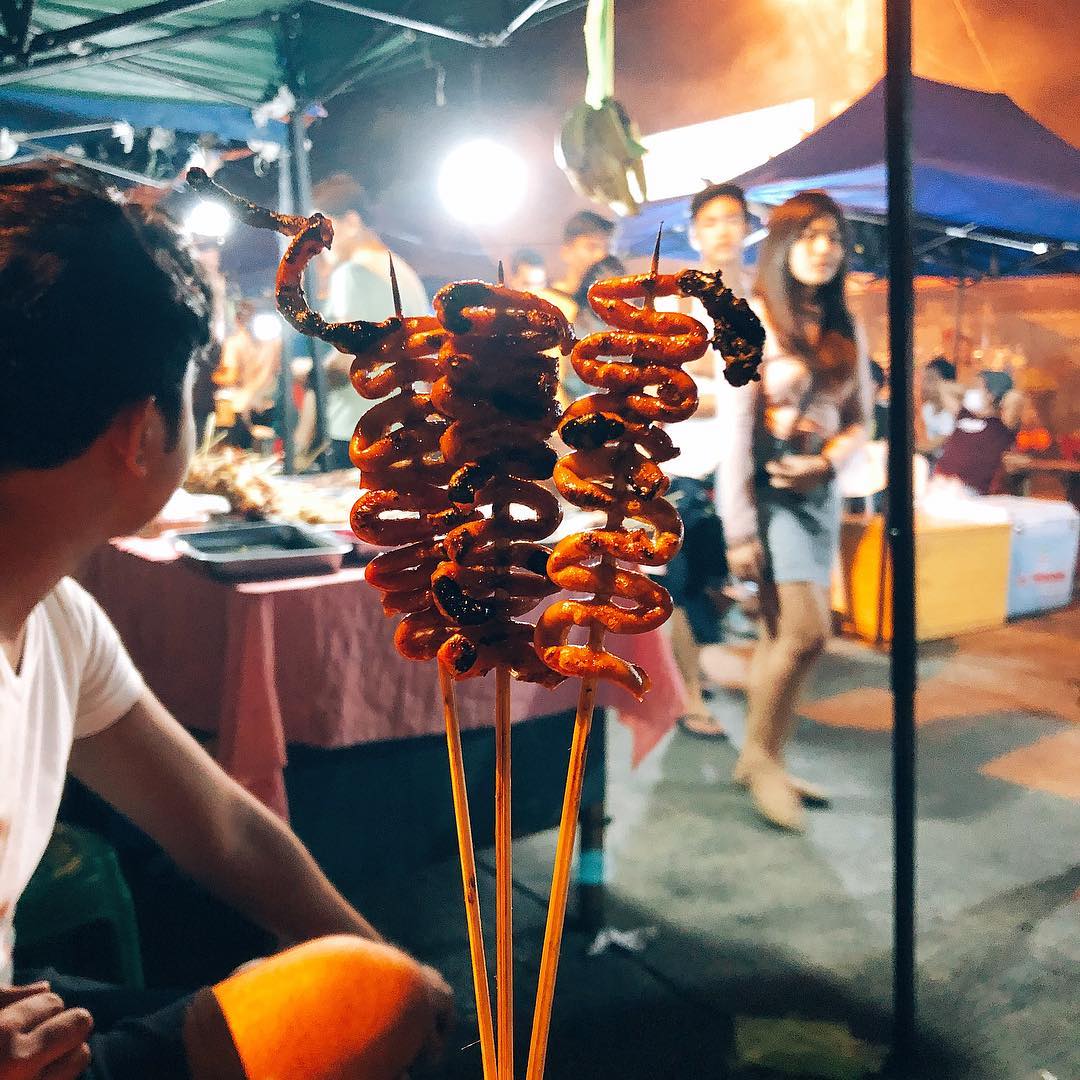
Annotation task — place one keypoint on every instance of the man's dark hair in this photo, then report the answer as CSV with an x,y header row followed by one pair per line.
x,y
587,223
101,306
525,257
718,191
945,368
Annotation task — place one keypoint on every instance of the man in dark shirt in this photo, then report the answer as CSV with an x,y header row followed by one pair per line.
x,y
986,427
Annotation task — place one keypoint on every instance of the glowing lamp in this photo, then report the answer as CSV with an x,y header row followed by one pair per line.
x,y
482,182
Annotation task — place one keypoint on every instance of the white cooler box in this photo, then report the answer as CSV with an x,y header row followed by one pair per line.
x,y
1042,556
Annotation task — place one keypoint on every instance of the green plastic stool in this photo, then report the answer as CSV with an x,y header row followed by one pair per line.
x,y
79,882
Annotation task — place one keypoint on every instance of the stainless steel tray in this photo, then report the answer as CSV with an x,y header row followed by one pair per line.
x,y
262,550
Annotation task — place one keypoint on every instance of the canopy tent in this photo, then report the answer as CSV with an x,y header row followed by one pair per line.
x,y
222,68
994,191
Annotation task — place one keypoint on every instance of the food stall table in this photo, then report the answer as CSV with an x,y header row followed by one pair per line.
x,y
308,663
1020,470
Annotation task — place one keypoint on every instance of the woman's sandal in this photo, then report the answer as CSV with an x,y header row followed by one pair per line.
x,y
702,726
810,794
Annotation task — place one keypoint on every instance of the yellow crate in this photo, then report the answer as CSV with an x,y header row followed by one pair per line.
x,y
961,577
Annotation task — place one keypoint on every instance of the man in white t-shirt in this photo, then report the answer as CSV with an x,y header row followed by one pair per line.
x,y
359,288
718,229
101,314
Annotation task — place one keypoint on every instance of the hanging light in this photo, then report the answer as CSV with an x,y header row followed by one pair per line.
x,y
482,182
209,220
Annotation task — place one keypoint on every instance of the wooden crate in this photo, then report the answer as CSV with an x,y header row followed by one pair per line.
x,y
961,578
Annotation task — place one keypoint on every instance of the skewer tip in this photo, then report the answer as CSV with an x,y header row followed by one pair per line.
x,y
655,269
502,273
394,289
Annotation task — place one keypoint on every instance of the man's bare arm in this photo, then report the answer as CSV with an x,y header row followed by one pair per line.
x,y
157,775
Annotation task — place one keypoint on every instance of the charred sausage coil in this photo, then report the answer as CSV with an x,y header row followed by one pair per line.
x,y
498,394
617,449
405,505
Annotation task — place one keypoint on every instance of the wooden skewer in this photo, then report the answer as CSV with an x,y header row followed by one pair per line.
x,y
466,851
564,847
394,288
560,878
504,880
468,876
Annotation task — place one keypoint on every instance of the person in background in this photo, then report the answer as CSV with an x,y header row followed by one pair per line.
x,y
358,288
940,404
879,381
248,372
782,441
207,254
719,223
527,271
586,240
99,463
986,427
585,321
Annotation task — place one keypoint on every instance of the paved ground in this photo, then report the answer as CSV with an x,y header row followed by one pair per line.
x,y
750,922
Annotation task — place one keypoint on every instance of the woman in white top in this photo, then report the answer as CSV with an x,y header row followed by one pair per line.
x,y
783,440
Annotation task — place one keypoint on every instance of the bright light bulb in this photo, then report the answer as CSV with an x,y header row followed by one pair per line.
x,y
482,183
208,218
266,326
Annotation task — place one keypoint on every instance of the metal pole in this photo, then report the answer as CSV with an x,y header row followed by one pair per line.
x,y
80,32
287,410
898,132
31,69
300,175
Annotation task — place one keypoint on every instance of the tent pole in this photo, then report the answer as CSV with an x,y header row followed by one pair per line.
x,y
31,69
287,410
300,177
904,653
82,32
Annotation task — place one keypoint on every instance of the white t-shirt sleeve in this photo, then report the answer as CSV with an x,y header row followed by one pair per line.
x,y
109,684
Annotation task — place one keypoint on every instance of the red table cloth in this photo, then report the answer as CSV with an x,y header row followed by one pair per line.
x,y
311,660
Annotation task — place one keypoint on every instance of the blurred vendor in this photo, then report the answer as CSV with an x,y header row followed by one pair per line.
x,y
359,289
986,428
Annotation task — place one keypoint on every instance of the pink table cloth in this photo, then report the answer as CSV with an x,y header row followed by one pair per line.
x,y
311,660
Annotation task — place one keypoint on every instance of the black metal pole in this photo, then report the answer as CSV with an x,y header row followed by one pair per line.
x,y
898,132
286,410
301,189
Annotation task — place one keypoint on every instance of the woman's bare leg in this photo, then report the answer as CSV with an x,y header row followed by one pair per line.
x,y
794,630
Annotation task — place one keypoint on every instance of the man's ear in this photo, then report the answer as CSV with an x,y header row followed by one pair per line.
x,y
134,433
691,236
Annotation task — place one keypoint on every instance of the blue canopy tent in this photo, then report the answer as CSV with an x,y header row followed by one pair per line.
x,y
994,191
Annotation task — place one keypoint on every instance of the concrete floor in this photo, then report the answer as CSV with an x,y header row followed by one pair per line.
x,y
749,922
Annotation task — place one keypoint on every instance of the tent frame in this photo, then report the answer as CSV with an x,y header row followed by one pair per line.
x,y
904,652
25,56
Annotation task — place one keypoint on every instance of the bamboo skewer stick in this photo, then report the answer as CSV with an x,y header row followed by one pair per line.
x,y
504,877
504,880
560,879
564,847
463,825
468,876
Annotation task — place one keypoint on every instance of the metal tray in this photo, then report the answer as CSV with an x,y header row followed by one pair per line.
x,y
262,550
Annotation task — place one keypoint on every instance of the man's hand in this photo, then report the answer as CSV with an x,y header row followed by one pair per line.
x,y
40,1039
443,1018
799,472
746,561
